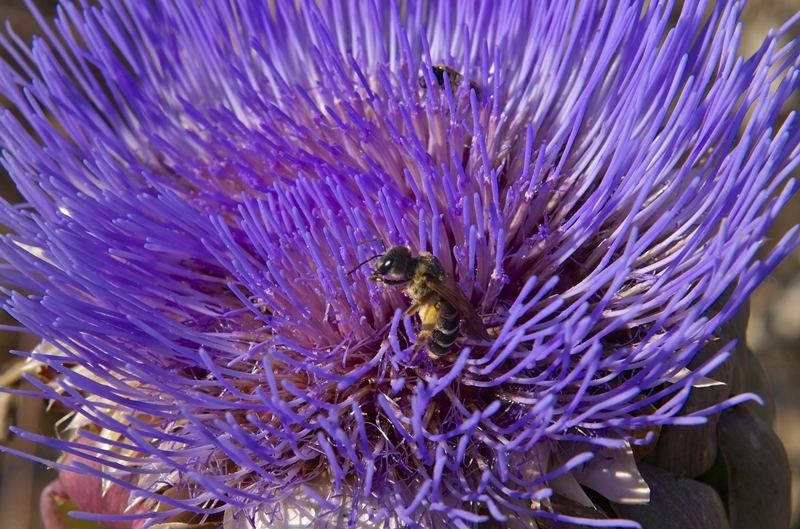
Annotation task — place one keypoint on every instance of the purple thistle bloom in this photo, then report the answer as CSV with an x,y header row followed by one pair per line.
x,y
200,179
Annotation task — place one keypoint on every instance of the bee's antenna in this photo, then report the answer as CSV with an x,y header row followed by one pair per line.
x,y
362,263
376,239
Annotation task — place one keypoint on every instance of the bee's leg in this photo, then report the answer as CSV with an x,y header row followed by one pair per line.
x,y
424,333
422,339
410,311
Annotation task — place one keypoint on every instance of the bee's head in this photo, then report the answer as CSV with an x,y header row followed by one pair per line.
x,y
439,71
394,262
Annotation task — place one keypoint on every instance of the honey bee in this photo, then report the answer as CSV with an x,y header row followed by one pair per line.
x,y
440,301
455,79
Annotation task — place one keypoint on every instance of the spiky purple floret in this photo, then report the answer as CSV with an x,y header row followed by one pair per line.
x,y
216,170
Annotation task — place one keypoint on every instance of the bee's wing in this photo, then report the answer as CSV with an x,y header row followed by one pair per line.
x,y
452,293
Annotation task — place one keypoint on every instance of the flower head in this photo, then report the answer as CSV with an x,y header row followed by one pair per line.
x,y
201,177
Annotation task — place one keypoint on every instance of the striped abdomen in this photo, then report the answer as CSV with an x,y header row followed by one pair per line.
x,y
445,330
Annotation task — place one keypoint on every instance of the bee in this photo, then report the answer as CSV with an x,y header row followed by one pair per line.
x,y
435,295
455,79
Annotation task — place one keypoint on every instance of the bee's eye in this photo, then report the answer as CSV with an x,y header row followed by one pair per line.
x,y
386,265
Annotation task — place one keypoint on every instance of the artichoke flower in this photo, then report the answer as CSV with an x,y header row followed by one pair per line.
x,y
205,183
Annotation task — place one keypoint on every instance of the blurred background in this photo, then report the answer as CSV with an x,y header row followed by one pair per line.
x,y
773,333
